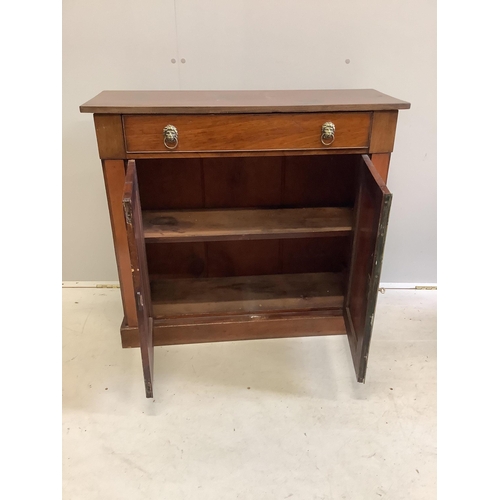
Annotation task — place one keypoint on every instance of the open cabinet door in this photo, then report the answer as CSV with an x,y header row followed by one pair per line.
x,y
372,215
137,248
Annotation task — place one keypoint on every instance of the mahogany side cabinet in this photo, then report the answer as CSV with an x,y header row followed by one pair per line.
x,y
241,215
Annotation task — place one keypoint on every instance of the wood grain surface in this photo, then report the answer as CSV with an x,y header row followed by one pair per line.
x,y
381,163
383,131
374,201
241,327
140,274
253,228
248,182
247,294
114,181
246,132
110,139
245,224
240,101
248,257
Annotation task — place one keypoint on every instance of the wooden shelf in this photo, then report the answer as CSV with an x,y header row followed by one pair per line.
x,y
245,224
281,293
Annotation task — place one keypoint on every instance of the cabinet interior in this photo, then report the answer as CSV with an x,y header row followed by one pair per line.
x,y
240,235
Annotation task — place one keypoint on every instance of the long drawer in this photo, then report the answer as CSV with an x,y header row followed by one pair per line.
x,y
246,132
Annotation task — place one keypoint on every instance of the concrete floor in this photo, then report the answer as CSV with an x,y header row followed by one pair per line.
x,y
263,420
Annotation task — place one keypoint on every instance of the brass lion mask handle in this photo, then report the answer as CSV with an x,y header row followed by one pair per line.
x,y
327,133
170,137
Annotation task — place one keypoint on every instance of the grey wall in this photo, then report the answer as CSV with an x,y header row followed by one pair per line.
x,y
258,44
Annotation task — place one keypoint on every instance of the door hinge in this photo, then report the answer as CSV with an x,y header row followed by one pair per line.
x,y
128,212
140,300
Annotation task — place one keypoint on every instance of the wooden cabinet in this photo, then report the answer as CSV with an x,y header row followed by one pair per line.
x,y
242,215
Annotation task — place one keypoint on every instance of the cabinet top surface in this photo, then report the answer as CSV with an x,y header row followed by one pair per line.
x,y
239,101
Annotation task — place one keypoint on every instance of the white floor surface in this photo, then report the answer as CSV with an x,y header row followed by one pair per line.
x,y
261,419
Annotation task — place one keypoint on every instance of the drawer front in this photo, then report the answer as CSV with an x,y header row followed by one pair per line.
x,y
246,132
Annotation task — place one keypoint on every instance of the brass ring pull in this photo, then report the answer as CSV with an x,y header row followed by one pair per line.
x,y
170,137
327,133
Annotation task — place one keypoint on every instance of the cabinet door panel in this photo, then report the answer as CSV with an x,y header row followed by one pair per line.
x,y
372,214
140,275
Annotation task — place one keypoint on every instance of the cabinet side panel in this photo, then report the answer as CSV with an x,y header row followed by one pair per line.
x,y
381,163
383,131
114,180
110,139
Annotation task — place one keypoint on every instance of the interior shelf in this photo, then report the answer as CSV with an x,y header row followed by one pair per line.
x,y
245,224
281,293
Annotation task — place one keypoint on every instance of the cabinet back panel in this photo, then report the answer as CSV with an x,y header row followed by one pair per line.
x,y
320,181
244,182
170,183
316,255
177,260
243,258
247,258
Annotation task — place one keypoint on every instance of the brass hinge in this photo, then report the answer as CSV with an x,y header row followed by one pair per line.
x,y
140,300
128,212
